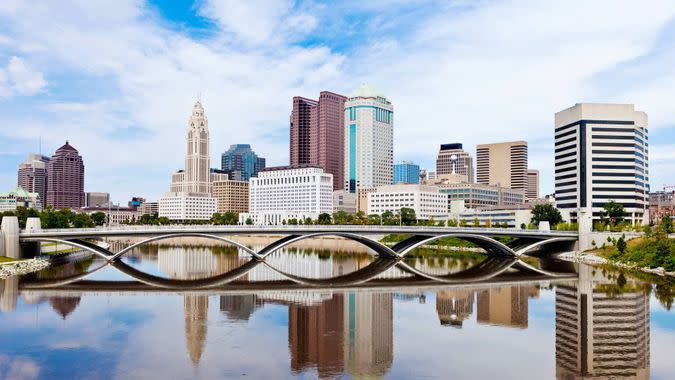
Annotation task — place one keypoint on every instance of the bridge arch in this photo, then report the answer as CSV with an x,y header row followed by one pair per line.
x,y
76,243
525,249
490,245
381,249
367,273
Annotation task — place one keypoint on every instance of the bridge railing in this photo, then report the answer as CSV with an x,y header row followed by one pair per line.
x,y
300,228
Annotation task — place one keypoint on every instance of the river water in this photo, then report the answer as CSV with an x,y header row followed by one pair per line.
x,y
161,315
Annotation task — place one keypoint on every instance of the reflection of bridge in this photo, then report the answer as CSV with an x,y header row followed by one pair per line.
x,y
523,241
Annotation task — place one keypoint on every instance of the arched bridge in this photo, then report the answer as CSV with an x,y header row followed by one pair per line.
x,y
521,242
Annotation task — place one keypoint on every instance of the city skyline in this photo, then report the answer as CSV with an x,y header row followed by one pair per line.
x,y
102,106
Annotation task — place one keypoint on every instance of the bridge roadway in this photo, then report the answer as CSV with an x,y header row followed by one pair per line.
x,y
525,240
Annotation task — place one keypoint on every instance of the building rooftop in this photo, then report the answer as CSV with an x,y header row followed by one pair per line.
x,y
67,147
366,91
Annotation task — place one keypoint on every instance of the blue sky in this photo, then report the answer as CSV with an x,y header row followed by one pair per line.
x,y
118,79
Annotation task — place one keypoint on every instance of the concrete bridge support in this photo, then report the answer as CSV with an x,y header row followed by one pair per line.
x,y
10,231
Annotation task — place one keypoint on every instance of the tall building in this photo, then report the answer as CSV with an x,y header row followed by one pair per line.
x,y
532,191
369,139
406,172
602,154
286,192
452,159
93,199
189,196
241,161
32,175
502,164
65,180
232,196
601,334
317,134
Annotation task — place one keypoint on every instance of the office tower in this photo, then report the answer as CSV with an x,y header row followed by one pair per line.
x,y
241,162
506,306
285,192
369,139
454,306
317,134
406,172
602,154
189,197
32,175
502,164
92,199
232,196
532,191
601,334
452,159
65,179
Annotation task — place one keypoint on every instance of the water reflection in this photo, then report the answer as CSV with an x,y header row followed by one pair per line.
x,y
601,329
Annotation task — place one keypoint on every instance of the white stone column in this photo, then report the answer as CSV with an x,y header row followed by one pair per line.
x,y
10,229
585,220
33,225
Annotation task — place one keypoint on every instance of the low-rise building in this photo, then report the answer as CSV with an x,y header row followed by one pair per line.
x,y
232,196
479,196
19,197
115,214
345,201
661,203
148,208
96,199
289,192
425,200
187,206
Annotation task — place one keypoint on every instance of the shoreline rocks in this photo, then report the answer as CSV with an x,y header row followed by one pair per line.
x,y
22,267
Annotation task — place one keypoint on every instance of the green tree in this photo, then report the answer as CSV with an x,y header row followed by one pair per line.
x,y
292,222
475,222
164,221
546,213
408,216
666,224
50,218
613,212
462,223
374,219
621,245
98,218
342,217
389,219
361,218
249,221
488,223
452,223
82,220
324,218
523,226
308,221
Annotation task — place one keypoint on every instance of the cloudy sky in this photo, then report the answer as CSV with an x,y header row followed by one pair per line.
x,y
118,78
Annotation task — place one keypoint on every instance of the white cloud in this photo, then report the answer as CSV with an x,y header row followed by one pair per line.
x,y
18,78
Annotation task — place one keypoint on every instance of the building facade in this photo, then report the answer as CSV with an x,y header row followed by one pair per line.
x,y
92,199
602,154
303,119
241,162
189,196
369,140
65,179
502,164
32,175
425,200
19,197
406,172
231,196
477,196
283,193
345,201
452,159
661,203
532,191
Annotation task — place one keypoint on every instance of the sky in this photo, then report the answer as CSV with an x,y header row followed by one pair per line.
x,y
118,79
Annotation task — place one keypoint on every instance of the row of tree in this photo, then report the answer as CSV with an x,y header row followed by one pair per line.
x,y
51,218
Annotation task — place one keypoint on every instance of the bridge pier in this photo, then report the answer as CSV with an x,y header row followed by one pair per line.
x,y
10,236
585,220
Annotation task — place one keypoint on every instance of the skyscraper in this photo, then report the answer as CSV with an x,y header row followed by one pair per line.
x,y
32,175
65,179
503,164
532,191
317,134
406,172
240,160
369,140
602,154
452,159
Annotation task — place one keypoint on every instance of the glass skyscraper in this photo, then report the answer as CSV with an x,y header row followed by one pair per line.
x,y
241,161
406,172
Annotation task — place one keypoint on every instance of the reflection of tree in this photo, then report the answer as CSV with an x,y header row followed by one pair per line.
x,y
663,286
68,269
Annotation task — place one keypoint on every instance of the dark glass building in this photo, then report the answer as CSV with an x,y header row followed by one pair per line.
x,y
240,158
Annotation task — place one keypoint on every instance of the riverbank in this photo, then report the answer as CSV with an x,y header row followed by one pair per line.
x,y
589,258
20,267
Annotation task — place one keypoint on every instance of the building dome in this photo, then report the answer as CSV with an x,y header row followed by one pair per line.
x,y
366,91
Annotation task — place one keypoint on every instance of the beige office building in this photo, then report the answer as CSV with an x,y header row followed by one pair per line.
x,y
532,191
232,196
502,164
452,159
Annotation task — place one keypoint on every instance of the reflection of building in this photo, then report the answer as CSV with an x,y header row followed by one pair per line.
x,y
63,306
504,306
9,292
601,335
239,307
196,310
315,336
454,307
368,333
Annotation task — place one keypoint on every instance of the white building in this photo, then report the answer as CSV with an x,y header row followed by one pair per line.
x,y
283,193
369,140
601,154
425,200
189,196
19,197
345,201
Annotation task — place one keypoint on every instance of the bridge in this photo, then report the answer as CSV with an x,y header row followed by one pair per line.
x,y
523,241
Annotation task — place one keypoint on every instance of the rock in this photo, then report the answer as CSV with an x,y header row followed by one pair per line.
x,y
22,267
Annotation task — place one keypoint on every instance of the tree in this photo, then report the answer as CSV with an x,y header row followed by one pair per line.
x,y
342,217
82,220
374,219
324,218
621,245
666,224
98,218
462,223
308,221
408,216
546,213
249,221
292,222
389,219
612,211
452,223
50,218
361,218
523,226
488,223
475,222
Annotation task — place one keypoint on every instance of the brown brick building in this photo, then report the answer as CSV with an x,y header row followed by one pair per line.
x,y
65,181
231,195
